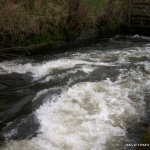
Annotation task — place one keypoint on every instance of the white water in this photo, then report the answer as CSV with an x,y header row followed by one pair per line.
x,y
88,115
40,70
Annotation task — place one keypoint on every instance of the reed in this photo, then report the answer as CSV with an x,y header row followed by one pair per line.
x,y
31,22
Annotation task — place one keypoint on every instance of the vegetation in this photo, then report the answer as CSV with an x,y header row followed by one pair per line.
x,y
40,22
26,22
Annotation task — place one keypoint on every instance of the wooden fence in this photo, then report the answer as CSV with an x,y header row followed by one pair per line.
x,y
139,13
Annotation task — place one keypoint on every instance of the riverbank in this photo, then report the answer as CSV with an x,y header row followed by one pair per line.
x,y
25,23
47,49
28,26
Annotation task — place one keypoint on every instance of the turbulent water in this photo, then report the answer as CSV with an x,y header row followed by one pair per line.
x,y
95,98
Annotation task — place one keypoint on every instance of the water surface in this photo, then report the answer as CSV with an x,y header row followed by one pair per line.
x,y
94,98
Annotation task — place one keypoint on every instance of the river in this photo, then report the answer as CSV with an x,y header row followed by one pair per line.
x,y
93,98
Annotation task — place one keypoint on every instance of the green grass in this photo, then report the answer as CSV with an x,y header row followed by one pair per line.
x,y
94,5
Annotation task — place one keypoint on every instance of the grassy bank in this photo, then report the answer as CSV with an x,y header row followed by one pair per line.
x,y
31,22
41,22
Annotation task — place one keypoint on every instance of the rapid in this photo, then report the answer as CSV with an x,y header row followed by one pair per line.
x,y
94,98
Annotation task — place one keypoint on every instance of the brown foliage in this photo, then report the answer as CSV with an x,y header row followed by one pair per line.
x,y
24,16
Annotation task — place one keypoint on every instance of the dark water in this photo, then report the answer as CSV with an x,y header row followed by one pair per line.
x,y
96,97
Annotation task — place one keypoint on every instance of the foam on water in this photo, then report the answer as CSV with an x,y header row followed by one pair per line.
x,y
86,62
88,115
40,70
